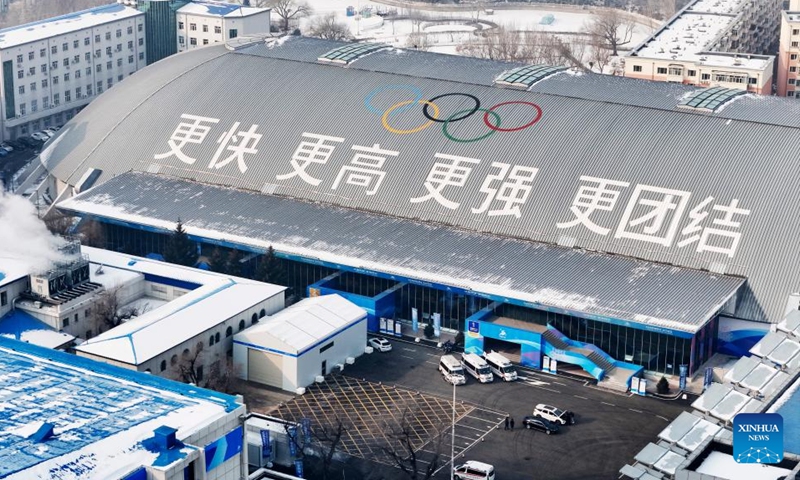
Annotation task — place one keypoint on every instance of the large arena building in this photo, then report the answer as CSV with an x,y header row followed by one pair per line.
x,y
604,222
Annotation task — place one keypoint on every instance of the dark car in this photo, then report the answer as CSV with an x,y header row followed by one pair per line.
x,y
536,423
17,145
29,142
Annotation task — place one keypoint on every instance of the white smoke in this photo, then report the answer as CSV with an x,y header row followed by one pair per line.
x,y
24,238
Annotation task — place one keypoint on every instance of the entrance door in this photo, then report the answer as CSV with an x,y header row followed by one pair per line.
x,y
324,367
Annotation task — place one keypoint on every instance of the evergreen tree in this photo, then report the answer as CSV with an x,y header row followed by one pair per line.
x,y
233,266
179,248
270,269
217,261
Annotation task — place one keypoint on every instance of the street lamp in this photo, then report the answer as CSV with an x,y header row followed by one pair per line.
x,y
453,436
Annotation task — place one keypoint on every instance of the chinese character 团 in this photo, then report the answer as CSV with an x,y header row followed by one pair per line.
x,y
365,167
314,151
513,192
187,132
600,194
660,222
239,142
446,174
699,213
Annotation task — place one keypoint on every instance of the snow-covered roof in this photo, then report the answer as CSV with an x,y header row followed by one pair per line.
x,y
304,324
51,27
100,413
220,9
12,270
692,34
217,298
22,326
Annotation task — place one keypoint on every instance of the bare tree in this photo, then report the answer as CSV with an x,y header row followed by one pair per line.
x,y
329,28
58,223
418,41
190,366
109,312
92,234
288,10
611,28
599,57
405,437
222,375
323,443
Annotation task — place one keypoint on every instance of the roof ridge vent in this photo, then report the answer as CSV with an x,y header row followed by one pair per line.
x,y
526,76
349,53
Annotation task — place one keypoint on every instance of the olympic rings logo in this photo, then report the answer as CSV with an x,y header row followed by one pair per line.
x,y
432,113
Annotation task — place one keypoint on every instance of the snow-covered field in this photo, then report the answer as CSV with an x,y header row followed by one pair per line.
x,y
444,38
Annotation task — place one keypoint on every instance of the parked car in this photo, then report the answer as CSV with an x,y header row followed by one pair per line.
x,y
3,153
553,414
29,142
17,145
380,344
538,423
472,470
5,146
50,131
40,136
454,378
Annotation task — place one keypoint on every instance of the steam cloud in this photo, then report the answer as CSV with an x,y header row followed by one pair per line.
x,y
24,237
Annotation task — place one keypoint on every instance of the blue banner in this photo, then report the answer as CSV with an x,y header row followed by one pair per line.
x,y
298,468
306,423
437,324
223,449
292,433
684,369
414,320
266,446
708,378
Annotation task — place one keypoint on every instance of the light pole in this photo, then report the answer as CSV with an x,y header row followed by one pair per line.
x,y
453,436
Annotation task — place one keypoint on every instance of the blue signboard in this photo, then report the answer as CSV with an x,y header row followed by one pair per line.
x,y
474,326
684,370
414,320
306,423
708,378
223,449
298,468
292,432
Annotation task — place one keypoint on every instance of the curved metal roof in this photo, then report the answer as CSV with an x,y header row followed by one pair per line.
x,y
597,162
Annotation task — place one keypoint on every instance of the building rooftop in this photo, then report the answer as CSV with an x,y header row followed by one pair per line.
x,y
306,323
100,414
692,34
24,327
220,9
216,297
51,27
12,270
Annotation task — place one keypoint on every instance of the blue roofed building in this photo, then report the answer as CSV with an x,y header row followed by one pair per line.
x,y
71,418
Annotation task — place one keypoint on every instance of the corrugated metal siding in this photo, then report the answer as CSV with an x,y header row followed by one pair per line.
x,y
594,283
705,155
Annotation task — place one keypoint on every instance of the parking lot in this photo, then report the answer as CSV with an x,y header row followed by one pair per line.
x,y
610,428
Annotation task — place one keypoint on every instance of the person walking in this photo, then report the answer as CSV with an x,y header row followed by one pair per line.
x,y
506,427
511,422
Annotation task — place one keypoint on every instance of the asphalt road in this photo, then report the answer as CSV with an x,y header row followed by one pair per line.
x,y
610,428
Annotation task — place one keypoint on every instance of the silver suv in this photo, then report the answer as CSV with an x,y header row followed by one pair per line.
x,y
553,414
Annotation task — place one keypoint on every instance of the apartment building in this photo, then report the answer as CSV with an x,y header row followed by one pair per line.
x,y
55,67
788,62
712,43
203,23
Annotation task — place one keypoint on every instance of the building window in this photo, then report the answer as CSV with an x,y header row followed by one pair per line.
x,y
241,325
20,74
211,340
254,320
68,98
130,44
22,89
793,56
141,55
64,47
108,50
233,33
637,68
180,25
790,94
217,29
3,299
34,105
30,55
326,347
53,65
139,27
88,71
192,41
56,99
228,332
200,373
19,58
32,71
793,69
795,31
119,62
76,59
65,62
216,337
141,42
97,39
662,70
119,78
65,322
180,39
794,44
174,360
75,43
791,81
55,80
108,35
692,73
77,74
205,41
205,28
42,52
78,95
130,30
33,86
163,365
66,77
193,26
98,68
54,49
22,109
705,76
262,313
109,82
76,318
44,68
45,102
87,41
752,81
130,58
44,83
675,71
88,334
88,90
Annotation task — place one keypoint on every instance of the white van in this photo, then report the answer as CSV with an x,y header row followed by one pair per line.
x,y
501,366
472,470
452,370
477,367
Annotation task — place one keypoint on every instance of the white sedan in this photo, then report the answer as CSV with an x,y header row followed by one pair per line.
x,y
380,344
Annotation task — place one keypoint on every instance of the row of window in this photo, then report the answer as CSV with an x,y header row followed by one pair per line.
x,y
34,104
718,77
86,314
76,59
193,41
193,27
77,74
76,44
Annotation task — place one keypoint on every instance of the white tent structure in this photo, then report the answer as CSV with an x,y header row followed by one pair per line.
x,y
291,348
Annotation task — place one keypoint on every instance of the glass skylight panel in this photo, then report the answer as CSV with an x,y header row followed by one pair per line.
x,y
528,75
710,98
349,53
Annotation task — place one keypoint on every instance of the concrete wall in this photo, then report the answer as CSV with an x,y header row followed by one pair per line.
x,y
217,28
348,343
12,291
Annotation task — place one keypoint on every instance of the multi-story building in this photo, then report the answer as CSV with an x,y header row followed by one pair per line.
x,y
53,68
203,23
789,50
160,26
712,43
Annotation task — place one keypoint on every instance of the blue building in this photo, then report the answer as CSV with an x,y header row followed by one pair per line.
x,y
71,418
